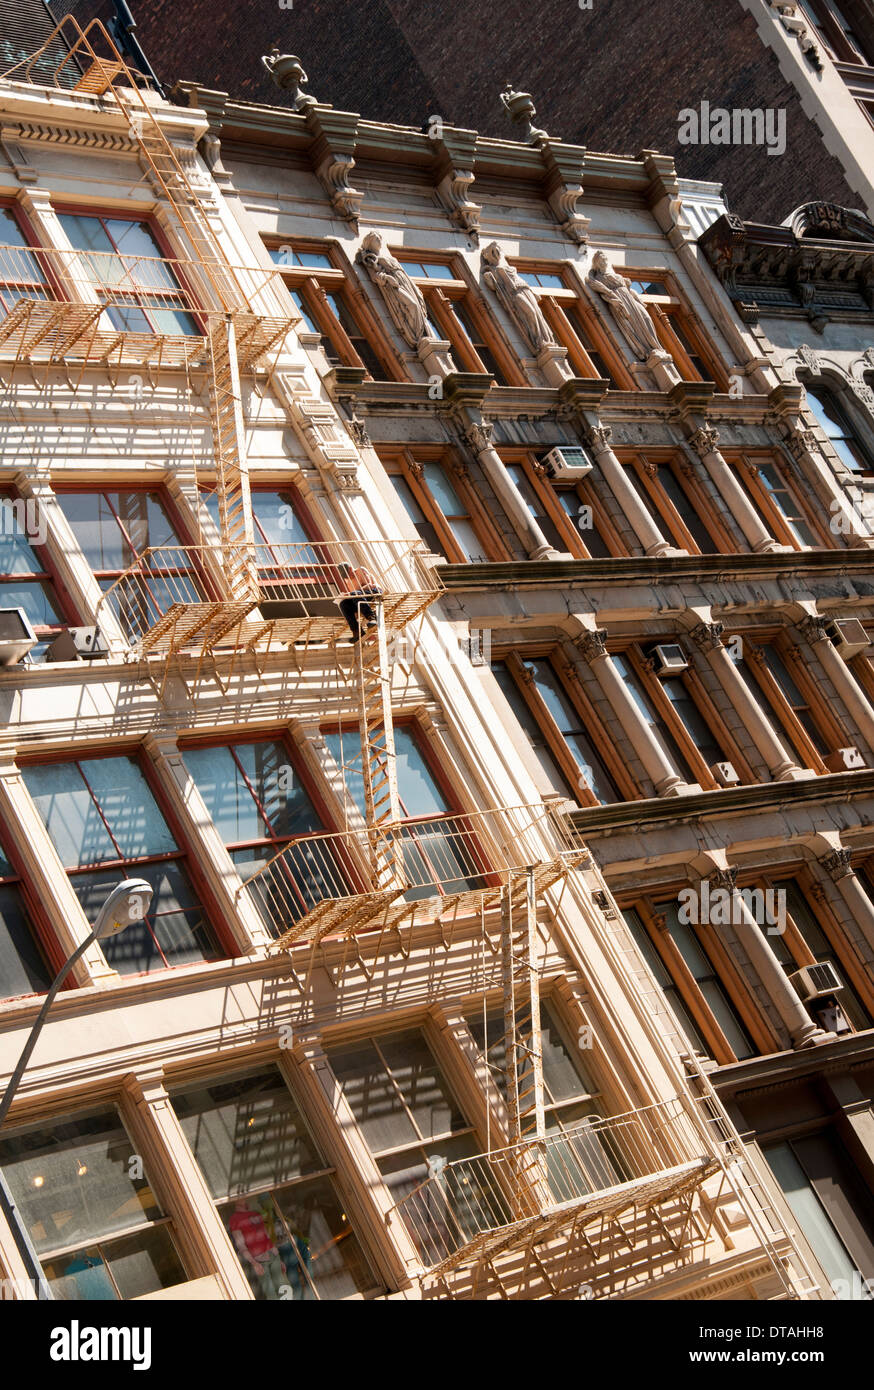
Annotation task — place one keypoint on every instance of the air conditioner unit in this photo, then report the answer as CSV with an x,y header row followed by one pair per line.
x,y
725,774
844,760
17,637
668,660
849,636
813,981
568,463
77,644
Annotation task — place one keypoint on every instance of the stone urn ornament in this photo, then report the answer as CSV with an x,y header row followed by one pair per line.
x,y
287,73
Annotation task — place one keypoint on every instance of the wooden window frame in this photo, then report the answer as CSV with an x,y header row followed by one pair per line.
x,y
552,302
570,535
662,309
665,707
407,464
572,687
830,33
793,658
745,463
439,297
645,465
314,283
737,990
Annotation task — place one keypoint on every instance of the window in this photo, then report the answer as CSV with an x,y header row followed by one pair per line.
x,y
776,500
456,315
674,326
440,850
832,416
278,521
124,262
675,952
841,42
22,275
682,507
571,516
557,729
652,717
792,700
805,942
99,1232
275,1194
119,529
326,298
23,969
536,504
403,1104
105,824
444,509
573,324
832,1206
26,579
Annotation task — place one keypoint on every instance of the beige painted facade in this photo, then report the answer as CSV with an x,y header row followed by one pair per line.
x,y
364,1024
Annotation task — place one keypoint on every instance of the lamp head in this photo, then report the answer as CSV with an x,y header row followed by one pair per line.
x,y
128,902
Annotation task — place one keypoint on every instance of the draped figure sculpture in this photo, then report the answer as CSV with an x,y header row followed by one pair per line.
x,y
403,299
517,297
626,306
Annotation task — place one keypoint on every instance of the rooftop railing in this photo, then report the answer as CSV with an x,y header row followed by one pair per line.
x,y
475,1206
172,596
335,882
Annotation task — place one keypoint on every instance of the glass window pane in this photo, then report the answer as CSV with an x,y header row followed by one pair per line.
x,y
564,1075
372,1097
693,720
22,969
276,518
662,735
71,818
420,522
442,491
569,726
232,808
535,735
811,1216
72,1180
128,806
319,1244
416,1074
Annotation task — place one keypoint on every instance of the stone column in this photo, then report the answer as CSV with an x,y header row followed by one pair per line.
x,y
813,630
477,435
782,767
704,442
205,1243
639,518
249,932
838,865
795,1018
591,644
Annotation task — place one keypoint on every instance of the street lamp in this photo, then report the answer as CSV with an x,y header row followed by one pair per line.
x,y
127,903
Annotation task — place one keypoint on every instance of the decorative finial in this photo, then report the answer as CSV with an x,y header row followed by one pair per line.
x,y
521,110
286,72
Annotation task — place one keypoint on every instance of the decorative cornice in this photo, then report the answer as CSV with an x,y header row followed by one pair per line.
x,y
455,152
334,135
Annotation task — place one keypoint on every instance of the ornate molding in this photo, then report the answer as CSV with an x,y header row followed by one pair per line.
x,y
724,878
592,644
813,629
707,636
564,188
794,22
597,436
335,136
456,152
477,436
838,864
520,110
705,440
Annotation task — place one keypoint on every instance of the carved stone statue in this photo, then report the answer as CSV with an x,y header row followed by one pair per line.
x,y
626,306
517,297
403,299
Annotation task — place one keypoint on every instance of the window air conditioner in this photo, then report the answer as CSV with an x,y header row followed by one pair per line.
x,y
77,644
568,463
725,774
844,760
668,660
17,637
813,981
849,636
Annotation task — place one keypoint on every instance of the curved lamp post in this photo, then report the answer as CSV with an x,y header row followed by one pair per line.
x,y
127,903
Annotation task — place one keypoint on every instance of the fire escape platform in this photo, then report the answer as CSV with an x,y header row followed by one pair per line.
x,y
606,1205
48,331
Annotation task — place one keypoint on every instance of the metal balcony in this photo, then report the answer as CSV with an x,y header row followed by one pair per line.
x,y
331,883
529,1193
178,597
127,310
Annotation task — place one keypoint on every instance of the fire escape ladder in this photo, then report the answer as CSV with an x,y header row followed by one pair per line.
x,y
378,761
524,1047
232,486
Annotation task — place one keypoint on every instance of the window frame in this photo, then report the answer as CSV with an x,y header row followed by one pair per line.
x,y
48,575
408,464
645,465
570,535
314,283
552,301
745,464
662,309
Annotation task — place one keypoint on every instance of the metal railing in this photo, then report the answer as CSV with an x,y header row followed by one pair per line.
x,y
439,857
470,1199
297,588
87,304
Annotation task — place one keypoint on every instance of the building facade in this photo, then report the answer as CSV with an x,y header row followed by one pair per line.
x,y
422,574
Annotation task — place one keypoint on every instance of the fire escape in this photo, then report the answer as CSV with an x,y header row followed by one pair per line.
x,y
576,1185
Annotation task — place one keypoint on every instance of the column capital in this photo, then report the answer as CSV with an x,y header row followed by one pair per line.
x,y
707,636
837,864
723,877
705,440
591,644
477,436
813,628
598,437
